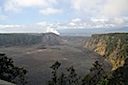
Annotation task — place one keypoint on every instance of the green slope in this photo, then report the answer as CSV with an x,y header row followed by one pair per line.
x,y
112,46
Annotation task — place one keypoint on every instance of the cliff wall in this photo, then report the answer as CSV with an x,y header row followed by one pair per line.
x,y
112,46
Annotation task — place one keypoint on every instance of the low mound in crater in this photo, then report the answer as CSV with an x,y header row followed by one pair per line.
x,y
51,39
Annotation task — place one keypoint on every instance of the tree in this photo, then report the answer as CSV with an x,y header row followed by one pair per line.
x,y
120,75
54,80
72,78
9,72
63,79
96,76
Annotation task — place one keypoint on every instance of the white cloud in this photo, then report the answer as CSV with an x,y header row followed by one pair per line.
x,y
3,17
72,24
126,18
52,30
109,8
42,23
43,27
102,20
10,26
48,11
109,22
11,5
16,5
21,29
29,3
28,29
76,20
87,6
114,8
118,21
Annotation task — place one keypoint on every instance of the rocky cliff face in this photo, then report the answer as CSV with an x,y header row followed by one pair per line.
x,y
113,46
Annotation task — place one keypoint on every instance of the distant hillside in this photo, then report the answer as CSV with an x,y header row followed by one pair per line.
x,y
90,31
113,46
19,39
14,39
51,39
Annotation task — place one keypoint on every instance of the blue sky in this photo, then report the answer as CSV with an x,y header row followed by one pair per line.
x,y
51,15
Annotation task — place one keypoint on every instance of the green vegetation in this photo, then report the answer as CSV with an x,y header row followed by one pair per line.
x,y
19,39
120,75
63,79
97,76
71,78
113,46
9,72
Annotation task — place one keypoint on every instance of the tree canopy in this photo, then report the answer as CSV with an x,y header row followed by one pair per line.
x,y
9,72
